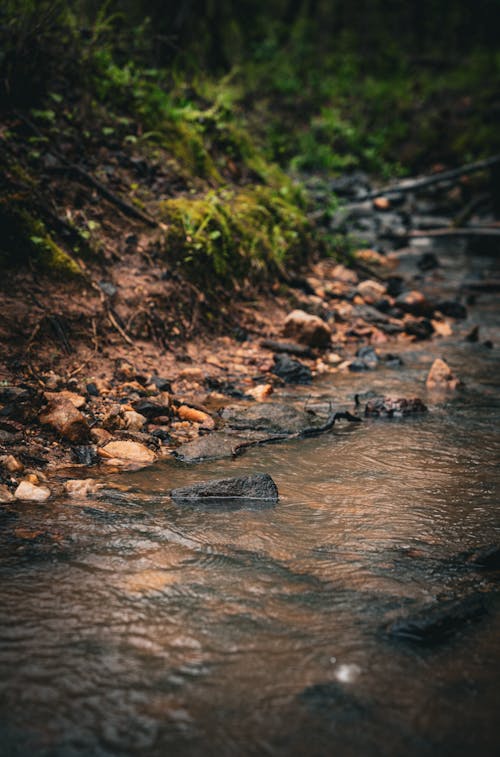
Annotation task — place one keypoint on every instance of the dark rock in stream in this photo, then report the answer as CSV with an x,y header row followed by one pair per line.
x,y
214,446
271,417
389,407
419,328
485,558
452,308
256,489
366,359
438,622
291,371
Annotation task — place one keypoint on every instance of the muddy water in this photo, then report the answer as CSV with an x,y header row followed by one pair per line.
x,y
132,627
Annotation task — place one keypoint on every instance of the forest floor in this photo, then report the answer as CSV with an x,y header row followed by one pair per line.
x,y
129,359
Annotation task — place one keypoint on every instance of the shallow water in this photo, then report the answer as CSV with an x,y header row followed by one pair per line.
x,y
130,626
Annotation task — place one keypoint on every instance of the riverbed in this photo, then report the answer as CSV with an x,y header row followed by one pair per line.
x,y
132,626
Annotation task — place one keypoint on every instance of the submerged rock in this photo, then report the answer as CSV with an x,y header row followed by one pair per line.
x,y
438,622
255,487
271,417
390,407
307,329
214,446
291,371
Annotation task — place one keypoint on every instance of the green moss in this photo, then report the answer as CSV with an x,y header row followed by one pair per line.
x,y
234,234
25,238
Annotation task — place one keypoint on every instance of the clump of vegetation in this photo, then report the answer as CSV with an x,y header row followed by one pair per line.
x,y
230,236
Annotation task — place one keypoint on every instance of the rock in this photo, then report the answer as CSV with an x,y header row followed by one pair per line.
x,y
271,418
257,487
473,335
307,329
415,303
11,464
32,492
438,622
291,348
81,487
127,451
76,399
151,409
66,420
371,291
162,384
100,435
6,495
419,328
367,359
452,309
390,407
187,413
86,454
215,446
133,421
260,392
441,377
428,262
291,371
393,361
92,389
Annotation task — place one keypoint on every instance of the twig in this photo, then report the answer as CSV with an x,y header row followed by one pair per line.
x,y
412,185
117,326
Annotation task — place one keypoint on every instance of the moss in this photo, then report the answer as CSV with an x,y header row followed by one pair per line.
x,y
25,237
235,234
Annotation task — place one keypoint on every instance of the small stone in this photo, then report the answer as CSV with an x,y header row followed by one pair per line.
x,y
133,421
186,413
12,464
414,302
66,420
100,435
31,492
381,203
307,329
371,291
76,399
92,389
452,308
260,392
81,487
291,371
391,407
441,377
5,494
152,409
127,451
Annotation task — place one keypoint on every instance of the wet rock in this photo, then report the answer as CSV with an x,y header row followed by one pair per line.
x,y
161,435
438,622
31,492
257,487
162,384
11,464
260,392
92,389
128,452
452,308
415,303
215,446
307,329
291,348
6,495
10,394
86,454
151,409
371,291
100,435
419,328
291,371
389,407
393,361
441,377
187,413
367,360
487,558
66,420
428,262
271,417
85,487
473,335
133,421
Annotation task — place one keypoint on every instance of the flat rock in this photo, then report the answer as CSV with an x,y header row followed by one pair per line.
x,y
31,492
438,622
307,329
76,399
389,407
271,417
133,421
128,452
214,446
81,487
291,371
66,420
255,487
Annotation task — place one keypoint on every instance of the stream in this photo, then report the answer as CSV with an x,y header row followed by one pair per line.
x,y
132,626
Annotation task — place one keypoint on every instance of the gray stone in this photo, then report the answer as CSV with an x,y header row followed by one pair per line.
x,y
255,487
271,417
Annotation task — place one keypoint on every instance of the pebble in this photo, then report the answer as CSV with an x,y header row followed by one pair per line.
x,y
128,452
30,492
307,329
440,376
66,420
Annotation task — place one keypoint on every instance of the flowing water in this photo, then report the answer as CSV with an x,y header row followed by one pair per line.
x,y
130,626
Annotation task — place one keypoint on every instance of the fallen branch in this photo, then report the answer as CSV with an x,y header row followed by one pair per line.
x,y
413,185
